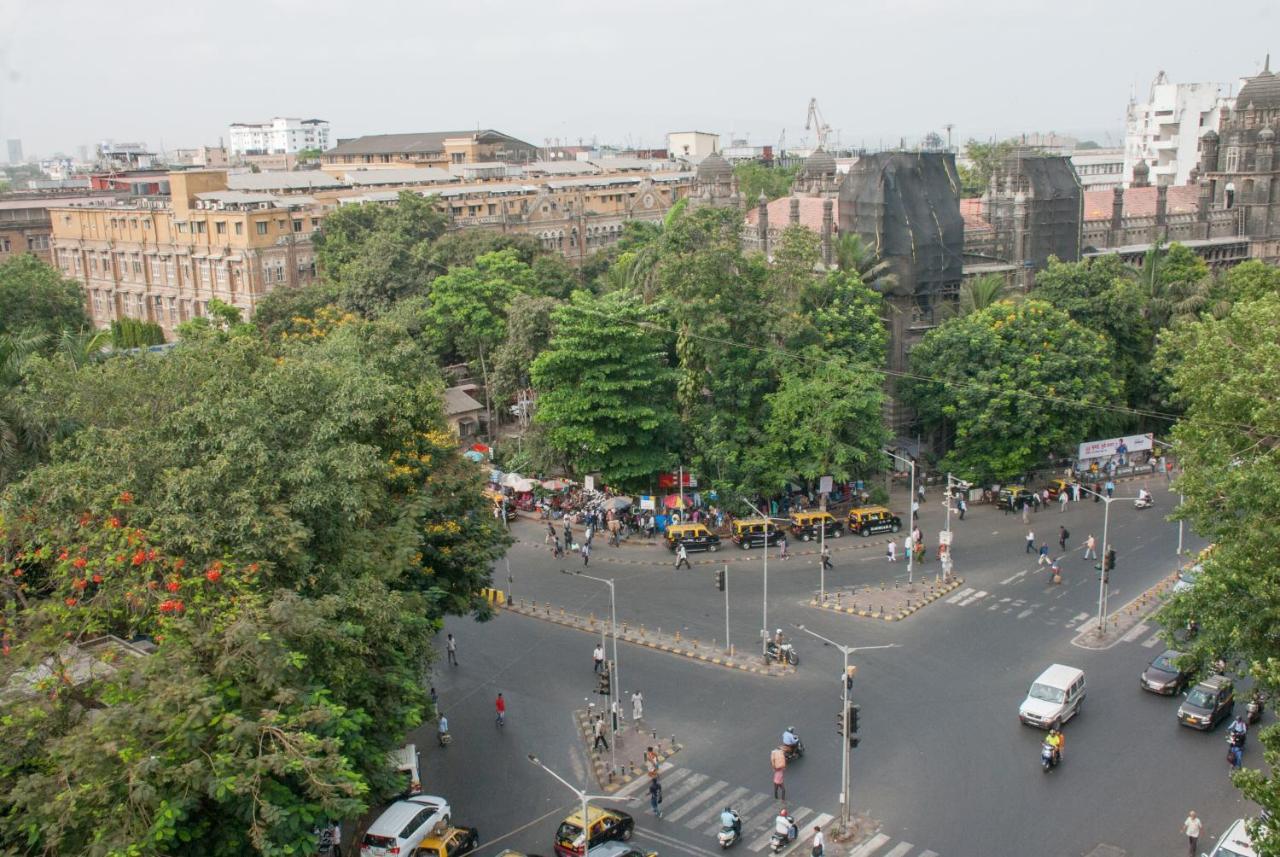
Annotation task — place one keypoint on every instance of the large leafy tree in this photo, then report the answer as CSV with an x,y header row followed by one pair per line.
x,y
755,178
982,158
605,389
287,522
1227,377
1011,383
528,333
468,306
35,298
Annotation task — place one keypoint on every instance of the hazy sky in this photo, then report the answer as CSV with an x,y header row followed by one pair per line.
x,y
75,72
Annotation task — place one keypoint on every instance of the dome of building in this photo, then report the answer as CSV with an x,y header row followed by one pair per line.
x,y
1141,169
820,163
714,168
1210,135
1260,93
1266,135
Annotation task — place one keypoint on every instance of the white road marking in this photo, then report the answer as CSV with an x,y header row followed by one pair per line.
x,y
1135,632
981,593
994,607
1147,644
684,788
1079,617
869,847
698,800
634,785
961,594
1024,614
900,849
715,809
1011,579
928,854
823,820
1005,600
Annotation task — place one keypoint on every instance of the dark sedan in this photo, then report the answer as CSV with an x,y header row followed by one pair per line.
x,y
1164,676
1209,703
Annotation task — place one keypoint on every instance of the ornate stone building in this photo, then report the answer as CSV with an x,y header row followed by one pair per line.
x,y
715,184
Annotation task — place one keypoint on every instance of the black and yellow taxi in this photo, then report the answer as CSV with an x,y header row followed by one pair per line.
x,y
1013,497
1056,487
812,524
453,842
694,537
501,502
868,520
754,532
606,825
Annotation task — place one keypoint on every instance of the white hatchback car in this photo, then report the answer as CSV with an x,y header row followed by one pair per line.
x,y
403,825
1235,842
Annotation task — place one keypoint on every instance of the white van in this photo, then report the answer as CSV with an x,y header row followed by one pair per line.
x,y
1055,697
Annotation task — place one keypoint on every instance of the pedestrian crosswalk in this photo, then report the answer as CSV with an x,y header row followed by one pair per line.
x,y
692,802
1146,634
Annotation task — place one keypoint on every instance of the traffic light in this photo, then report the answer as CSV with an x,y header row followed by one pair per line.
x,y
853,718
720,580
840,723
853,724
602,685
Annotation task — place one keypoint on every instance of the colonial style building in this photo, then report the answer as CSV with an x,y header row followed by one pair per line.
x,y
427,149
163,260
25,226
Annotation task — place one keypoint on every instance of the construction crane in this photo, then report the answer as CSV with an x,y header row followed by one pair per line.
x,y
814,122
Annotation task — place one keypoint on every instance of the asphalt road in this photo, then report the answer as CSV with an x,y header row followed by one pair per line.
x,y
944,764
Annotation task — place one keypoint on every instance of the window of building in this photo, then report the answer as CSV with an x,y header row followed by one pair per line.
x,y
297,226
173,310
39,242
133,223
182,227
146,223
170,270
159,308
281,225
262,227
221,272
201,226
239,228
457,157
1233,159
93,264
136,265
220,227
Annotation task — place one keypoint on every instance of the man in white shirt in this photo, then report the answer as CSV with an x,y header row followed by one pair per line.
x,y
1191,827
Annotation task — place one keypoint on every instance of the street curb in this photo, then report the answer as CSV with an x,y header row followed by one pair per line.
x,y
599,761
895,616
676,646
739,556
1131,615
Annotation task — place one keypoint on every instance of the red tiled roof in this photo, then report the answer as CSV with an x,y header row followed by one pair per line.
x,y
975,216
1141,201
810,213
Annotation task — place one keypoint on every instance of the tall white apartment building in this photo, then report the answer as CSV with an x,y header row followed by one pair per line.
x,y
1165,130
280,136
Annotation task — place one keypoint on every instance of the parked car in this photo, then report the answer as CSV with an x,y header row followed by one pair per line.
x,y
607,825
1208,704
866,520
1164,676
1056,487
754,532
1187,577
694,537
1235,842
1012,497
454,842
812,525
403,825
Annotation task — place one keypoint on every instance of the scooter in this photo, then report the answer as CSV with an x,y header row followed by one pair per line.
x,y
785,653
730,834
444,738
1144,502
1048,758
1235,750
791,752
779,841
1254,711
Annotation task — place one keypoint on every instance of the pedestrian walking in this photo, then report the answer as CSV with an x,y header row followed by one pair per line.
x,y
908,544
1063,498
892,550
1090,547
920,550
616,709
1063,535
1031,542
451,649
435,698
782,546
597,658
1111,488
961,507
598,730
556,549
586,553
779,785
637,707
778,761
551,533
1026,510
1044,498
655,796
920,491
826,558
568,533
1168,470
818,842
500,706
1044,557
682,558
589,535
1191,827
651,761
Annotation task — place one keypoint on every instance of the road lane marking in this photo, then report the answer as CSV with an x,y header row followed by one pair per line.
x,y
1011,579
684,788
698,800
634,785
869,847
1079,617
900,849
928,854
961,594
1025,613
705,816
1134,633
669,842
981,593
823,820
1146,644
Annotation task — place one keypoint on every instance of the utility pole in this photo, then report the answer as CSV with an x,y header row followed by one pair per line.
x,y
911,510
764,603
615,681
847,716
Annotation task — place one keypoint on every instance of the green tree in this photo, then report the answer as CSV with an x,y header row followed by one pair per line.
x,y
528,332
755,178
1177,283
1226,375
605,389
984,157
854,256
135,333
1012,383
978,293
280,311
1247,281
288,522
468,306
34,297
462,248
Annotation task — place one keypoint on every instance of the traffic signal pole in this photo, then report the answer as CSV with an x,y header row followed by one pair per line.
x,y
728,647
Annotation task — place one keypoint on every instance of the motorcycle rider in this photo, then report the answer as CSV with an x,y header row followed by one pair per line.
x,y
729,819
790,739
1238,731
783,825
1055,740
442,731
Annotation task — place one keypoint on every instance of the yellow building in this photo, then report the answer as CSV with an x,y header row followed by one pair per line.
x,y
164,259
427,149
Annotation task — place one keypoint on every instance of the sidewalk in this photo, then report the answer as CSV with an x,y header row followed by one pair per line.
x,y
628,749
1123,621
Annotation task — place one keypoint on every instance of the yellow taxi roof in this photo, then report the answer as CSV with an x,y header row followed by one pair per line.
x,y
595,812
862,510
685,528
812,513
749,522
439,841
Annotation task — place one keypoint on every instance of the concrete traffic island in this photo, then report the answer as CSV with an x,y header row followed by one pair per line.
x,y
1125,621
890,603
629,750
675,644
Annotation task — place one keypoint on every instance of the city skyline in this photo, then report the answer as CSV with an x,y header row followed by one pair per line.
x,y
618,76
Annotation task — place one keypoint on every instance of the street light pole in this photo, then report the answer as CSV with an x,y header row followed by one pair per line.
x,y
911,511
845,679
1106,546
583,798
615,672
764,601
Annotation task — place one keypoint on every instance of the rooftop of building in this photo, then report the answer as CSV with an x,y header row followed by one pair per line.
x,y
99,201
424,142
394,176
283,180
1260,92
457,400
810,213
1141,201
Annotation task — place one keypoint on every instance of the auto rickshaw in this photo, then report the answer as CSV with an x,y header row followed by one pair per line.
x,y
813,524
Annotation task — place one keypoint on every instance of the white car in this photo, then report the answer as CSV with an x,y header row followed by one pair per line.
x,y
1187,577
1235,842
403,825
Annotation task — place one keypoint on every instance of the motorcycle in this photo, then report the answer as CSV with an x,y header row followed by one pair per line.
x,y
779,841
1255,707
785,653
730,834
793,751
444,738
1144,502
1048,758
1235,750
